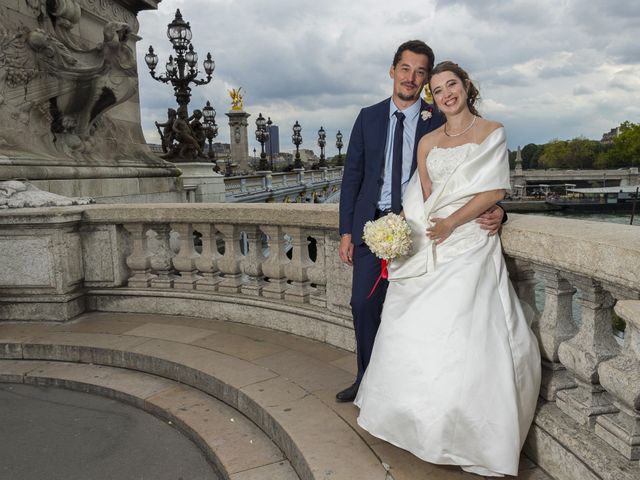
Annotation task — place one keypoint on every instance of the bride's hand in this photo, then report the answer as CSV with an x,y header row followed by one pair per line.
x,y
440,229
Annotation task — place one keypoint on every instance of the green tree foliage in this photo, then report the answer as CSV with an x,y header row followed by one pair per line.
x,y
625,149
570,154
531,155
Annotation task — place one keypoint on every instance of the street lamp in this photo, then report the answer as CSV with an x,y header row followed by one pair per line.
x,y
297,141
322,142
269,123
339,146
211,130
182,69
262,135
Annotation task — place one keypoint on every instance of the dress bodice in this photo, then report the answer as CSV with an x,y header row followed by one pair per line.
x,y
441,162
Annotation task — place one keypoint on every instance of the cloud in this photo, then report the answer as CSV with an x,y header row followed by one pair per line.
x,y
542,66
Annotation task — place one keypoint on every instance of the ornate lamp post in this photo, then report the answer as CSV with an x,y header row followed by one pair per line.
x,y
339,146
269,123
297,141
211,129
182,69
262,135
322,142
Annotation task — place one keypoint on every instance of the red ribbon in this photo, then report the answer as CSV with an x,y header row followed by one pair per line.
x,y
384,273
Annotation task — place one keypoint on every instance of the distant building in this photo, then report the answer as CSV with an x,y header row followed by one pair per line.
x,y
155,148
272,145
608,137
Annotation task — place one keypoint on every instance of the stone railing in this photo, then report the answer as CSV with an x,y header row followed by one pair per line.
x,y
588,423
277,266
277,186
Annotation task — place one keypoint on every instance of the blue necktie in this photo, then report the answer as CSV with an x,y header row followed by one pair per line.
x,y
396,165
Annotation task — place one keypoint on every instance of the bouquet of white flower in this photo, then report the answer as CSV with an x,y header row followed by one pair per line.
x,y
388,237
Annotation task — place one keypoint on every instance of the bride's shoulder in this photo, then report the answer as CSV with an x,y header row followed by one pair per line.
x,y
487,127
429,140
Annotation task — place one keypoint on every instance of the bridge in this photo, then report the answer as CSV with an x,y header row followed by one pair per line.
x,y
621,176
304,186
243,311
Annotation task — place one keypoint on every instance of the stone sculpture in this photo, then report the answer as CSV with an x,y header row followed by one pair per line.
x,y
17,194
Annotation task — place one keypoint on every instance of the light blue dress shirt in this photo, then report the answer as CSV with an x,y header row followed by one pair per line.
x,y
410,125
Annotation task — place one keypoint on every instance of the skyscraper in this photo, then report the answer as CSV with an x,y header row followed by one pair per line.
x,y
272,146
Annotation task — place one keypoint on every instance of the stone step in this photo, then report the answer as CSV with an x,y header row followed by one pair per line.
x,y
232,443
317,442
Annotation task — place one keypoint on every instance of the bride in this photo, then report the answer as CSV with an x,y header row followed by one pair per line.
x,y
455,369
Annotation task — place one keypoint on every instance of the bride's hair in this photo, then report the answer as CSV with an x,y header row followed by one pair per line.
x,y
472,92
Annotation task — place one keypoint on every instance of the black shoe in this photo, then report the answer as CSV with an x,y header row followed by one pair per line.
x,y
348,394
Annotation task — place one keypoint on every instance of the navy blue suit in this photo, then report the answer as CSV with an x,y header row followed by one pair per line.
x,y
359,195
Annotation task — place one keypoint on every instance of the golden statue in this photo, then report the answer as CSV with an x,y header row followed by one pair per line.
x,y
236,99
427,94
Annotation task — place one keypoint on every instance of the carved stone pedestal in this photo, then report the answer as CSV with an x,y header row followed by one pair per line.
x,y
41,269
239,144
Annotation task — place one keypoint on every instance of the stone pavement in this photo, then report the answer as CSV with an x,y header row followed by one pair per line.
x,y
58,434
259,403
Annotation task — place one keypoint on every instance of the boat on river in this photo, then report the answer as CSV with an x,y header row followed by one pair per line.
x,y
599,199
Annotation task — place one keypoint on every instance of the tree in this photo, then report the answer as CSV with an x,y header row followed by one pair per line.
x,y
579,153
531,155
625,150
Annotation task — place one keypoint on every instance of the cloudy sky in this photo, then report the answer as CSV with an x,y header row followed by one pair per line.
x,y
545,68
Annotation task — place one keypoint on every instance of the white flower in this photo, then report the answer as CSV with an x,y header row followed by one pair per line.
x,y
426,114
388,237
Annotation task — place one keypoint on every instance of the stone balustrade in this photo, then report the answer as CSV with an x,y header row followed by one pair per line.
x,y
297,186
277,266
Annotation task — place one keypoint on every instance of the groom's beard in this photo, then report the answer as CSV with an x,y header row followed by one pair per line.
x,y
409,98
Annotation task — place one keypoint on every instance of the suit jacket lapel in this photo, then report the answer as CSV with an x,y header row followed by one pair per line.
x,y
421,129
379,133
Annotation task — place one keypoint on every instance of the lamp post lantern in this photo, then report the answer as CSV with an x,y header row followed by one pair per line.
x,y
270,140
211,130
297,141
322,142
182,69
339,146
262,135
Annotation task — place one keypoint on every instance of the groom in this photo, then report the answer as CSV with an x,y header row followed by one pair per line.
x,y
380,160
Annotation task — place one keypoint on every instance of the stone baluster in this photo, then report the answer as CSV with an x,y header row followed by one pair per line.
x,y
620,376
274,266
207,262
185,261
243,185
161,257
297,269
556,325
139,259
582,354
522,276
251,263
229,264
317,273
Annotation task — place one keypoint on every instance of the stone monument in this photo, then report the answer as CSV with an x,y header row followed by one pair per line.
x,y
518,180
238,124
69,106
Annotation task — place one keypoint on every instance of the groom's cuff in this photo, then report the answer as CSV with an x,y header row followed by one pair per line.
x,y
505,217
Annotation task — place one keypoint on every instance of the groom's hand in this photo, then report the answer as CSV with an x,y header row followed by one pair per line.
x,y
346,249
491,220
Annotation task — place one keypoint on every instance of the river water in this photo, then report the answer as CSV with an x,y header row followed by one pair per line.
x,y
621,217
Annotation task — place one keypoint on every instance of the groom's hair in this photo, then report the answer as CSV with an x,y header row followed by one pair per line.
x,y
415,46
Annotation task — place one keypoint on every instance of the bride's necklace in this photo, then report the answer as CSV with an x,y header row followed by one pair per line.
x,y
462,132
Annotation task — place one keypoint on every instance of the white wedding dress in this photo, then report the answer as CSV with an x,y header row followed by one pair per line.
x,y
455,370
